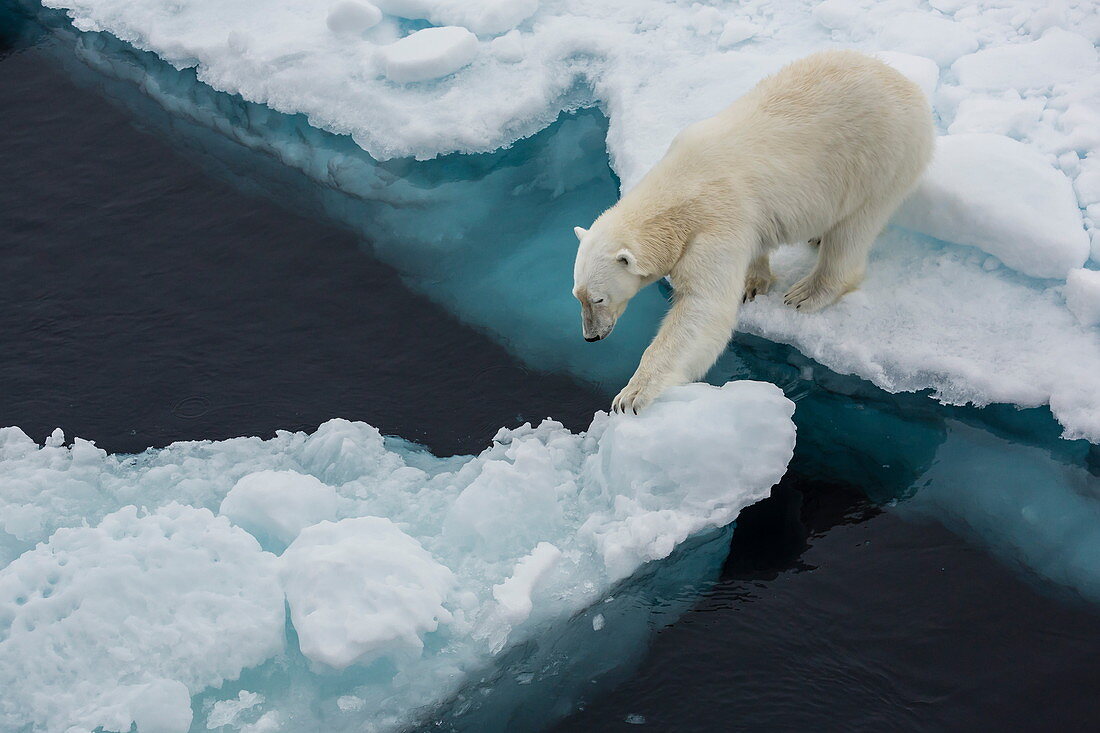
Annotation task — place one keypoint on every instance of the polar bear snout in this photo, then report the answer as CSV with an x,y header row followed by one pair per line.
x,y
597,322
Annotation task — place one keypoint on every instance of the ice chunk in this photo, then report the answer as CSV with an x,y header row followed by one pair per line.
x,y
360,588
514,594
997,194
1006,115
277,505
115,624
508,48
736,30
1083,296
1087,182
941,39
227,712
644,464
352,16
1059,56
920,70
480,16
837,14
429,54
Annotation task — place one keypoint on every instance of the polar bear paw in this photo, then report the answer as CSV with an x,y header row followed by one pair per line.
x,y
757,284
811,294
637,395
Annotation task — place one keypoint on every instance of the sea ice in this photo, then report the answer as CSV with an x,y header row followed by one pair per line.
x,y
361,588
1007,114
924,34
1059,56
123,622
429,54
430,568
352,16
735,31
274,506
1083,296
997,194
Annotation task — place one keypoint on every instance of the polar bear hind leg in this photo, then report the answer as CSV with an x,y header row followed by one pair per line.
x,y
841,258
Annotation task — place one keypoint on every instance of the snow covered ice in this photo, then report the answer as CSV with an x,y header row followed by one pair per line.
x,y
430,54
997,194
422,572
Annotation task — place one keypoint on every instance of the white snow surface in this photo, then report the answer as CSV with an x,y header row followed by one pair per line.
x,y
361,588
1026,69
352,16
277,505
997,194
1083,296
122,622
429,54
429,567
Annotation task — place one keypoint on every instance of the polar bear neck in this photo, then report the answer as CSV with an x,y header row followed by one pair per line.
x,y
659,222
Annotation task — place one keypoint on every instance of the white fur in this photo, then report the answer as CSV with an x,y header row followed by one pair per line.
x,y
825,150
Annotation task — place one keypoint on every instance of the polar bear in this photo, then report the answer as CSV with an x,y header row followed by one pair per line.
x,y
823,150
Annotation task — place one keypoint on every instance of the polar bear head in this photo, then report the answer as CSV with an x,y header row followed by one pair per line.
x,y
606,275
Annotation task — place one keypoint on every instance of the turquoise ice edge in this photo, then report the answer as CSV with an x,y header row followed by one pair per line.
x,y
1000,475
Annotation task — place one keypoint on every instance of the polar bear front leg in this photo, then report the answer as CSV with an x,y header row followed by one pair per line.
x,y
700,323
760,278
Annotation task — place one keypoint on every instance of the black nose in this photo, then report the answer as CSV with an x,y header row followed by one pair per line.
x,y
594,338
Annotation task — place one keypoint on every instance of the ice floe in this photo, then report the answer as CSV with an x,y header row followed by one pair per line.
x,y
423,572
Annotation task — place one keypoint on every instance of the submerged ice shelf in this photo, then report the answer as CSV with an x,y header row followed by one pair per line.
x,y
414,574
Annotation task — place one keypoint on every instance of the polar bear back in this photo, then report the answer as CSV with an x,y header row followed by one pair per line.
x,y
814,142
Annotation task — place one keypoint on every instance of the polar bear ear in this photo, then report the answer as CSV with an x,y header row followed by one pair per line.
x,y
626,257
580,232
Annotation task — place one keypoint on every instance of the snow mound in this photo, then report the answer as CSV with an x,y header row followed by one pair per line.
x,y
276,505
924,34
352,16
999,195
428,570
1059,56
430,54
122,622
1083,296
361,587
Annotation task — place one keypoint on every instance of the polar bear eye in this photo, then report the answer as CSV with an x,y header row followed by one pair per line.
x,y
597,301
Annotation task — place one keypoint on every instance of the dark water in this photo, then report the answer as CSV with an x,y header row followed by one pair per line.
x,y
143,300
